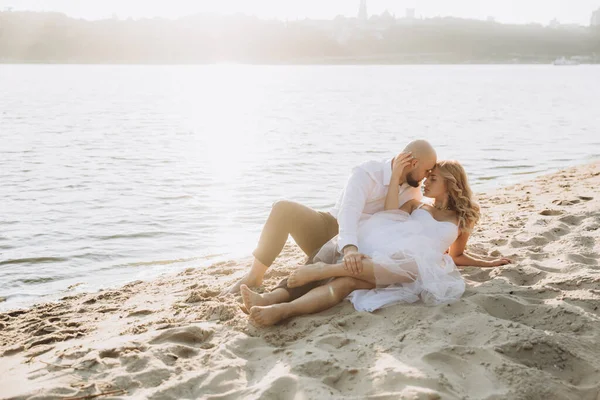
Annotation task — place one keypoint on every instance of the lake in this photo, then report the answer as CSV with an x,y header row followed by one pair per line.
x,y
117,173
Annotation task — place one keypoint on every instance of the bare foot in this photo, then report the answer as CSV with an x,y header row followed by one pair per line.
x,y
247,280
252,299
267,316
306,274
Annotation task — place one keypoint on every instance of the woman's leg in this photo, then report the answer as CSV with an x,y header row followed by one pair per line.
x,y
318,271
318,299
252,299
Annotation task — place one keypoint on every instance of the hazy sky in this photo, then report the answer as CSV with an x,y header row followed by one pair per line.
x,y
512,11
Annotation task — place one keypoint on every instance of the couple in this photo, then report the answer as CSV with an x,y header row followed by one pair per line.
x,y
378,246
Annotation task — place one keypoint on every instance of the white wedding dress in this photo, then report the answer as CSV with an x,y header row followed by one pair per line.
x,y
404,246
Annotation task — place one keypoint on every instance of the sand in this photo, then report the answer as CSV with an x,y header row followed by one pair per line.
x,y
530,330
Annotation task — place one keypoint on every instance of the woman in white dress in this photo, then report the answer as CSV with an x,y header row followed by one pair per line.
x,y
410,254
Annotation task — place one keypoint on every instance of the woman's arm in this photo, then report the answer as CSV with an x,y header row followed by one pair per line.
x,y
392,201
462,259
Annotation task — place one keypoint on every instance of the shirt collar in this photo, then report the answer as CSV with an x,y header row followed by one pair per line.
x,y
387,172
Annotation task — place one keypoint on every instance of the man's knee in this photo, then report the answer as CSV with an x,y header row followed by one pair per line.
x,y
283,207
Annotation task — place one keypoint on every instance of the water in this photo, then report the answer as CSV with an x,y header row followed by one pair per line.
x,y
116,173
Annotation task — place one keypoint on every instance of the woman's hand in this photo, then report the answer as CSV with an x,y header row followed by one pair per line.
x,y
500,262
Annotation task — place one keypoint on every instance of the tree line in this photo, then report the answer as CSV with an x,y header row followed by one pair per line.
x,y
30,37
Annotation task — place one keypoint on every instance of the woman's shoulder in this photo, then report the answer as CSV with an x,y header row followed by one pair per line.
x,y
414,202
453,217
411,205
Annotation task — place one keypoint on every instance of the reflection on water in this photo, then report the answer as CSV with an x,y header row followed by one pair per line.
x,y
115,173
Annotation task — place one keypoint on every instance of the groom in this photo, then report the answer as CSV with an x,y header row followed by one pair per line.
x,y
364,194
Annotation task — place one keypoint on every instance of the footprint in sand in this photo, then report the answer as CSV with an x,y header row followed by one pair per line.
x,y
584,241
317,368
552,358
153,377
477,274
116,352
534,241
336,341
571,220
566,202
559,230
182,351
550,213
331,373
190,336
284,387
591,227
140,313
477,382
525,276
581,259
536,316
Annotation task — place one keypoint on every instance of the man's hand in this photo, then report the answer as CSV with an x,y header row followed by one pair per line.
x,y
353,260
401,161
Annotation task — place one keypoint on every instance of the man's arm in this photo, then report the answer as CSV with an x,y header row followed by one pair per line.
x,y
356,193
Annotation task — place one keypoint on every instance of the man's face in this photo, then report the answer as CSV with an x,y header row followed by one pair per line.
x,y
420,171
411,180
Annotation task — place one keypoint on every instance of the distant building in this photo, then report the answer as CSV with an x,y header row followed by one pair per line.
x,y
491,19
362,11
554,23
410,13
595,18
381,22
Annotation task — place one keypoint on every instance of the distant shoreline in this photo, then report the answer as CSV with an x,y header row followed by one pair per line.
x,y
34,37
341,62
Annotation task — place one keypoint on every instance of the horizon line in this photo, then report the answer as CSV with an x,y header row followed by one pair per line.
x,y
116,17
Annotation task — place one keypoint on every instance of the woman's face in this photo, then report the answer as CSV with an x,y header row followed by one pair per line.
x,y
434,185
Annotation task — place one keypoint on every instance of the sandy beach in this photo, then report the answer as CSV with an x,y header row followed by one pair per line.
x,y
530,330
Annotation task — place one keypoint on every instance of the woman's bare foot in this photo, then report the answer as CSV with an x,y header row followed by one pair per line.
x,y
249,280
267,316
252,299
306,274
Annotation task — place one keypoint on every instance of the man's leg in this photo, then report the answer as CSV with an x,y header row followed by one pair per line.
x,y
317,300
309,228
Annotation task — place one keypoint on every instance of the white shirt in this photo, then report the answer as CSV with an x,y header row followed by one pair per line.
x,y
364,195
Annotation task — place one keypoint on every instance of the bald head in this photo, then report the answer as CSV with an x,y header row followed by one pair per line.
x,y
423,151
425,160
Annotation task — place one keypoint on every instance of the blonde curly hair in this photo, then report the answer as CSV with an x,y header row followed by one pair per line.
x,y
460,196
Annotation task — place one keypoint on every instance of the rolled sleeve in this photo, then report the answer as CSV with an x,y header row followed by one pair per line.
x,y
357,190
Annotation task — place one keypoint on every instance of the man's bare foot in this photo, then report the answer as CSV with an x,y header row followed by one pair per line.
x,y
252,299
248,280
306,274
267,316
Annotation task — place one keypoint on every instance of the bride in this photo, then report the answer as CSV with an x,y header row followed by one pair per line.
x,y
410,253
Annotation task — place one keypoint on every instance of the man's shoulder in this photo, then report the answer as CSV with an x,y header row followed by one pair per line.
x,y
373,166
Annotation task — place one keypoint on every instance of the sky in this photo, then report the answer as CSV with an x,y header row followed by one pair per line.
x,y
506,11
